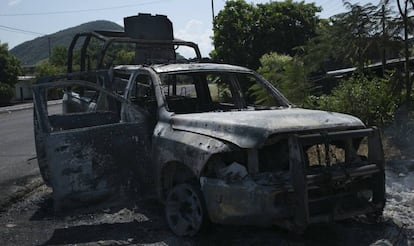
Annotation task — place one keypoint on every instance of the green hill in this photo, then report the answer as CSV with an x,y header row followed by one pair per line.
x,y
31,52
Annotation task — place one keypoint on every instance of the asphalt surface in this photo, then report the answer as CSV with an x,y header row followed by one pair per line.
x,y
18,165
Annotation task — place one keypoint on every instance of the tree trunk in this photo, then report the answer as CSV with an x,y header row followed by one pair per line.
x,y
405,109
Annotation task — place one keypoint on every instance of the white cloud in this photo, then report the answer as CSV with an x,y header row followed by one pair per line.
x,y
14,2
195,31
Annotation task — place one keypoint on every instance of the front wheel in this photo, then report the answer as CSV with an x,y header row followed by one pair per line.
x,y
185,210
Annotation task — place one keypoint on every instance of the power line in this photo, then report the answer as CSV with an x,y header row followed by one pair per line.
x,y
81,10
13,29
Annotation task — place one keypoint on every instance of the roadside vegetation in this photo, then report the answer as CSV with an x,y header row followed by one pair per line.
x,y
9,70
292,47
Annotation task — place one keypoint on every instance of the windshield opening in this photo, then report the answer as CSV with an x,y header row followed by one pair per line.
x,y
197,92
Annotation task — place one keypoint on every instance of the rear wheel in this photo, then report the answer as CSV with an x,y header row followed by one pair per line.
x,y
185,210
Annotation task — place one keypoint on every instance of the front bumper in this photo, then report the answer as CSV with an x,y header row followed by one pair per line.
x,y
296,198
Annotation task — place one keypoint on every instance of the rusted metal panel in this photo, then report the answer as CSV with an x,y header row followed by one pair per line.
x,y
299,183
40,140
297,197
245,202
250,129
253,160
196,67
93,153
184,147
81,120
376,155
92,163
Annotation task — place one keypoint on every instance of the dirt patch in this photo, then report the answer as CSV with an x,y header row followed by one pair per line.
x,y
14,193
33,221
30,219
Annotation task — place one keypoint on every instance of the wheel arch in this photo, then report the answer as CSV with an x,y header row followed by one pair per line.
x,y
173,173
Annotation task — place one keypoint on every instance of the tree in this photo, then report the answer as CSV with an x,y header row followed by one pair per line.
x,y
125,57
287,74
9,66
59,56
244,32
283,26
404,11
9,70
360,28
6,93
56,65
354,38
46,69
233,33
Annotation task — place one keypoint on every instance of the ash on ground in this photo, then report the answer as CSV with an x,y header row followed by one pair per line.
x,y
33,221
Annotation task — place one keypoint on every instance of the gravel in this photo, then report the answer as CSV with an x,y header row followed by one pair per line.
x,y
33,221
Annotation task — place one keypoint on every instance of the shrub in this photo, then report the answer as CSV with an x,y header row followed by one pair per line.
x,y
287,74
368,98
6,94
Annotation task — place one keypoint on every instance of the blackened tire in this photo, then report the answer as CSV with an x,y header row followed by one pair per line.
x,y
185,210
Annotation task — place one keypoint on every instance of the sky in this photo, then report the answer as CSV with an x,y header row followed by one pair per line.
x,y
24,20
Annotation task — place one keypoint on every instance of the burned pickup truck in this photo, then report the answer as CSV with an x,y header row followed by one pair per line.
x,y
213,142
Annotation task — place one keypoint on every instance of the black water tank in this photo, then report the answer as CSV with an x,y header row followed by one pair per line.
x,y
150,27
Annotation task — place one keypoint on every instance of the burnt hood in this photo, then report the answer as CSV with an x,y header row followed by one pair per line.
x,y
250,129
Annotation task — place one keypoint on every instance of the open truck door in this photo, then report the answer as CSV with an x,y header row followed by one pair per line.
x,y
90,153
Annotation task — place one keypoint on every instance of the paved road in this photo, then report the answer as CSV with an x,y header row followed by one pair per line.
x,y
17,151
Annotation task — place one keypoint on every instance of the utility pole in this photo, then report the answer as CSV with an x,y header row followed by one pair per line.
x,y
404,10
212,9
383,40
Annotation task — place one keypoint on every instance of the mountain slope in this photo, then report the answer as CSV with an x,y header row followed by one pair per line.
x,y
31,52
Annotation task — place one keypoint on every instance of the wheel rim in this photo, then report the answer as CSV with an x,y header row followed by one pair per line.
x,y
184,211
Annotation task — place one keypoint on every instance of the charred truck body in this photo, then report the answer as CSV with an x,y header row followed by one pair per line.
x,y
214,142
